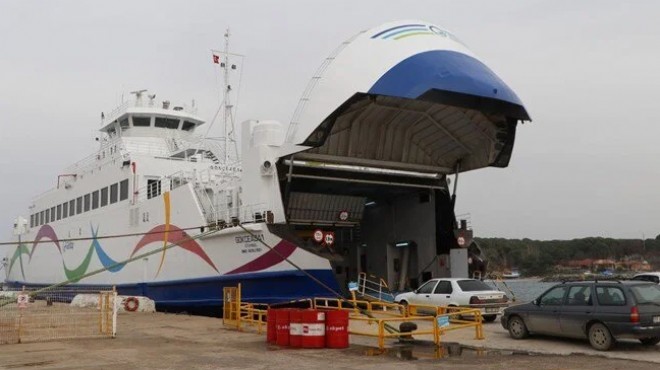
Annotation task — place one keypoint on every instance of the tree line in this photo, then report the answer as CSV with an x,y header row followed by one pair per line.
x,y
539,257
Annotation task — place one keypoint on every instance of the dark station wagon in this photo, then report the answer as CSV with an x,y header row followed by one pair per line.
x,y
600,311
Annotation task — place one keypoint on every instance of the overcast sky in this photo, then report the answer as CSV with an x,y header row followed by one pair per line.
x,y
587,72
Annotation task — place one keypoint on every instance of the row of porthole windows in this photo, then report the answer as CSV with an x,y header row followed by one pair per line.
x,y
117,192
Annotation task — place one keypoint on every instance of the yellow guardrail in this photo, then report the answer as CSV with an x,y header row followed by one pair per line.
x,y
381,334
384,308
341,304
237,314
437,320
438,326
252,315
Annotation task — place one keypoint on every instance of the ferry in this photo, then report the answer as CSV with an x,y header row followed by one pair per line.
x,y
356,182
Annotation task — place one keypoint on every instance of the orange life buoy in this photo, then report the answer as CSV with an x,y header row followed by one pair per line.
x,y
131,304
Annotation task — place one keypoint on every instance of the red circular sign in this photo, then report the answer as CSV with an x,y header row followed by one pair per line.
x,y
343,215
329,238
460,241
318,235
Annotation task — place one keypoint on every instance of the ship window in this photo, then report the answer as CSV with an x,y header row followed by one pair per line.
x,y
153,188
59,212
141,121
187,126
95,200
72,207
104,197
41,218
113,193
123,124
88,202
123,190
170,123
79,205
31,220
65,210
47,219
52,214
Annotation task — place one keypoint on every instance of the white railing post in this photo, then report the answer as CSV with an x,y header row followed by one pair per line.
x,y
114,313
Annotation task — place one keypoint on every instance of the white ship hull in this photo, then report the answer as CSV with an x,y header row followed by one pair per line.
x,y
191,274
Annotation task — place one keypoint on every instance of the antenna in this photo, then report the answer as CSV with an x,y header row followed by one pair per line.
x,y
138,93
228,119
138,96
222,59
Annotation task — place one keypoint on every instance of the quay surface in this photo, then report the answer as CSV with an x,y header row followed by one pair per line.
x,y
168,341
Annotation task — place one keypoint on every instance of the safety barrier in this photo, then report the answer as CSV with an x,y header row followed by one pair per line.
x,y
254,315
31,315
385,308
435,320
231,306
382,334
238,314
444,319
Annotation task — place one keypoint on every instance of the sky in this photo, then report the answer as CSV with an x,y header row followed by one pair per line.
x,y
586,71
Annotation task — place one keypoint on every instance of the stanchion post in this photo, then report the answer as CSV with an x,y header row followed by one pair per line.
x,y
114,311
238,307
20,319
381,334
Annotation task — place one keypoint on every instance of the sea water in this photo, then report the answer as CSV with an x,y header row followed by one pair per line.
x,y
522,290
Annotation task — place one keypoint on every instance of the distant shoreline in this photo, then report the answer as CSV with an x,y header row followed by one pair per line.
x,y
582,277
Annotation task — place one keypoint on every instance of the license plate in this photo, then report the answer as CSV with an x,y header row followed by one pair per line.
x,y
492,310
656,319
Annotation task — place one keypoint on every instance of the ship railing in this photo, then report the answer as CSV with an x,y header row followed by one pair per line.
x,y
100,157
155,149
211,149
374,289
251,213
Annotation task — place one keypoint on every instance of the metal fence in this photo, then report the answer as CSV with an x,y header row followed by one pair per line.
x,y
69,312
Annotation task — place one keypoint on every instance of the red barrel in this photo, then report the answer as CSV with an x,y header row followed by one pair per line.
x,y
295,328
313,329
336,329
271,326
282,327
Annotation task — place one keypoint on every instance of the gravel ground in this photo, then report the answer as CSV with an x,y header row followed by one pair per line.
x,y
167,341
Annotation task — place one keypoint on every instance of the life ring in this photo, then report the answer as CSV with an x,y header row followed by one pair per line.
x,y
131,304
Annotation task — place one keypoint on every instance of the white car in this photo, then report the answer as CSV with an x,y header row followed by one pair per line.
x,y
653,277
458,292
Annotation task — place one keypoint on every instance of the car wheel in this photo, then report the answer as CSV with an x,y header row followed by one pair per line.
x,y
600,337
652,341
517,328
489,318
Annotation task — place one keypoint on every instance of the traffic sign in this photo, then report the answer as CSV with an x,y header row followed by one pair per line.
x,y
329,238
318,235
343,215
460,241
23,300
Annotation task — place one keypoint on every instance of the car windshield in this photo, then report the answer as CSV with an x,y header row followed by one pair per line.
x,y
646,293
473,285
